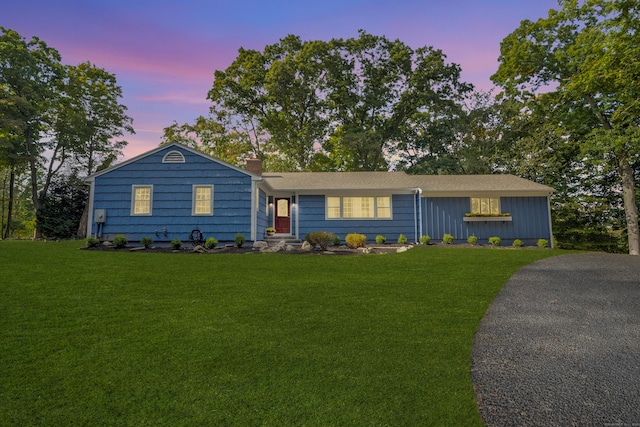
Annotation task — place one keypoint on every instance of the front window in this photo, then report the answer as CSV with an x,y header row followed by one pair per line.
x,y
141,200
202,200
358,207
485,205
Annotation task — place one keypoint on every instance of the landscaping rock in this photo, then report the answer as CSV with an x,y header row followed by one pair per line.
x,y
260,244
366,250
402,249
199,249
107,243
140,248
306,246
290,248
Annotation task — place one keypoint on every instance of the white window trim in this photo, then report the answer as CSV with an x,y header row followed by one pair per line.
x,y
193,199
375,208
133,199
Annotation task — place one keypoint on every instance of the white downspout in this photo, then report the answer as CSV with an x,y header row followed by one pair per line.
x,y
254,213
419,214
550,222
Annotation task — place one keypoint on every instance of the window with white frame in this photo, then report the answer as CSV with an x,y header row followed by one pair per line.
x,y
141,199
350,207
202,200
485,205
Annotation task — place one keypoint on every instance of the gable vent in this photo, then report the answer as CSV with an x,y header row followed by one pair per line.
x,y
173,157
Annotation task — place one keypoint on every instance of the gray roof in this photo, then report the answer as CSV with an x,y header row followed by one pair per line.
x,y
429,184
318,181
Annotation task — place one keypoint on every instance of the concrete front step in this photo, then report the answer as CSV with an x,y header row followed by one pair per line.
x,y
287,238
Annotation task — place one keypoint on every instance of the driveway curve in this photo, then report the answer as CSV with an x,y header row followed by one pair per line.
x,y
560,345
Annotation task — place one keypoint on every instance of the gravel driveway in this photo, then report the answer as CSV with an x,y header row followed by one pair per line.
x,y
560,345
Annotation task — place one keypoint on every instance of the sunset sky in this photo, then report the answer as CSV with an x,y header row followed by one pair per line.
x,y
164,53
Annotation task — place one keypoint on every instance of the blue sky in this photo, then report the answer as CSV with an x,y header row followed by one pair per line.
x,y
164,53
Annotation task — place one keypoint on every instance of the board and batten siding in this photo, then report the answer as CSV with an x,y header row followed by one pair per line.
x,y
445,215
172,199
312,217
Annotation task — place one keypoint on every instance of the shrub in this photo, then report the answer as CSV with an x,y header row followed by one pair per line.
x,y
146,242
336,241
120,241
447,239
210,243
176,243
381,240
92,242
518,243
402,239
495,240
239,240
355,240
425,240
543,243
320,238
472,240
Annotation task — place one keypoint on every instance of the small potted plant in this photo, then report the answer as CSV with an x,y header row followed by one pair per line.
x,y
270,231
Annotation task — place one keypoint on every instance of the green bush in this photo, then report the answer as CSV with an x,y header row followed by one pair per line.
x,y
518,243
425,240
472,240
402,239
176,243
239,240
355,240
495,240
543,243
146,242
320,238
120,241
336,241
447,239
92,242
381,240
211,243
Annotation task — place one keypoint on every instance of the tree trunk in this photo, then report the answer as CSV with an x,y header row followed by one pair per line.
x,y
12,179
82,227
33,166
630,207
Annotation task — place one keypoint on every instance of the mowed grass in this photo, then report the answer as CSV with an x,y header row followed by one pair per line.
x,y
122,338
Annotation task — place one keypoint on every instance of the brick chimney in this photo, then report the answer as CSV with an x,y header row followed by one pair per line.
x,y
254,166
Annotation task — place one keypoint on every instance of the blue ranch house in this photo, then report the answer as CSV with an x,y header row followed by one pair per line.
x,y
172,190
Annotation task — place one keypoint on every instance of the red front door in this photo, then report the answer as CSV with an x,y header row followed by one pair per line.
x,y
283,215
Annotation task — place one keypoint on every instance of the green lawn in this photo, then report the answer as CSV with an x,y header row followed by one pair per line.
x,y
122,338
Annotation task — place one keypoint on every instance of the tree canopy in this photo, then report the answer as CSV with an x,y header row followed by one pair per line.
x,y
581,65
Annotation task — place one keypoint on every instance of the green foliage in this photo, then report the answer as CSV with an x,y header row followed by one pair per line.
x,y
518,243
356,95
239,240
447,239
320,238
472,240
92,242
176,243
336,241
210,243
60,211
117,326
120,241
146,242
543,243
425,240
355,240
495,241
561,70
402,239
381,240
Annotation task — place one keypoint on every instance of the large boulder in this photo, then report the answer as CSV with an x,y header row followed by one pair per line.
x,y
260,244
306,246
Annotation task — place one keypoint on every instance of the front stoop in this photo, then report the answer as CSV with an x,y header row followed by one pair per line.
x,y
287,238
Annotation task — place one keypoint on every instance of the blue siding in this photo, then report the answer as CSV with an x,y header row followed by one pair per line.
x,y
530,220
263,215
312,218
172,199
